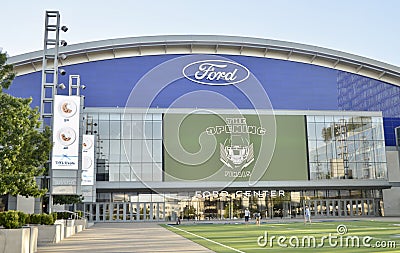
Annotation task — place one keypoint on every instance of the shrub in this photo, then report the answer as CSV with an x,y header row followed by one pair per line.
x,y
63,215
47,219
36,219
12,219
28,218
54,216
2,219
22,218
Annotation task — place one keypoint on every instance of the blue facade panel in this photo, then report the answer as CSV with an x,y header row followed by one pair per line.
x,y
288,85
389,125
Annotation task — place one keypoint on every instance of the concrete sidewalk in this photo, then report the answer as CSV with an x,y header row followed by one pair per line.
x,y
151,237
124,237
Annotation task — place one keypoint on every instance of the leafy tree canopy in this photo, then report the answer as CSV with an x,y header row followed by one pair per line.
x,y
67,199
6,72
23,149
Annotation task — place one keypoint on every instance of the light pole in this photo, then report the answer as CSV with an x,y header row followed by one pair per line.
x,y
50,73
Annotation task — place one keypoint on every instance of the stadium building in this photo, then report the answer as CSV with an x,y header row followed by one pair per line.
x,y
201,127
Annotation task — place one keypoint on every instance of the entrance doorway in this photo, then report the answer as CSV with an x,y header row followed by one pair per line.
x,y
125,211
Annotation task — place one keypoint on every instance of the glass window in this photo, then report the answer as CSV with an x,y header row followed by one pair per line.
x,y
104,149
104,129
157,150
118,197
136,151
115,130
344,193
134,176
145,197
311,131
137,116
95,116
104,116
331,150
323,132
380,169
148,116
329,119
115,150
147,172
353,172
125,172
157,130
126,130
349,147
148,130
136,171
114,172
157,197
147,151
157,172
126,117
338,118
115,116
157,116
319,118
137,130
126,151
103,197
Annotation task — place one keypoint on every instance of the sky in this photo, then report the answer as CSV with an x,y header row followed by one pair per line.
x,y
368,28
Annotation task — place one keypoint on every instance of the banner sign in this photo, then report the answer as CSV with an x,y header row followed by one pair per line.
x,y
88,160
222,147
66,132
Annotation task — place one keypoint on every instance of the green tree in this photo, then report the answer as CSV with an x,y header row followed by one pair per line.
x,y
23,148
67,199
6,72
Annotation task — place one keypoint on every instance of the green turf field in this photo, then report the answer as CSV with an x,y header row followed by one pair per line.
x,y
330,236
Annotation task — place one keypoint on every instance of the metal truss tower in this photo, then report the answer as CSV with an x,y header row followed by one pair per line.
x,y
50,64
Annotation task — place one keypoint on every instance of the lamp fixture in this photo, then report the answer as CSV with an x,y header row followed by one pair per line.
x,y
62,56
63,43
61,86
64,28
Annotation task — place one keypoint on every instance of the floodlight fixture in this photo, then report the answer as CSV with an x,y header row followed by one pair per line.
x,y
63,43
62,72
64,28
62,56
61,86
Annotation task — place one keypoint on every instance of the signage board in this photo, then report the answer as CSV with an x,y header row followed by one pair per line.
x,y
211,147
66,132
87,160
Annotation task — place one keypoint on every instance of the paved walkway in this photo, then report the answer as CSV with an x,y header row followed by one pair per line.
x,y
124,237
146,237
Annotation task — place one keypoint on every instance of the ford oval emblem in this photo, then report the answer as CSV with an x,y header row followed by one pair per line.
x,y
216,72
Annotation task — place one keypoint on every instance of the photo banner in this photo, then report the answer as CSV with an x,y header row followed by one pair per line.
x,y
88,160
66,132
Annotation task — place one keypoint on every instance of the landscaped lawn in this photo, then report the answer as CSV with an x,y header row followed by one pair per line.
x,y
323,236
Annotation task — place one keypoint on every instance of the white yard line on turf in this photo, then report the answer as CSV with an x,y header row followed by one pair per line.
x,y
199,236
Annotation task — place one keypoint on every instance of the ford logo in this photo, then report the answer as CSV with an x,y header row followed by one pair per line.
x,y
216,72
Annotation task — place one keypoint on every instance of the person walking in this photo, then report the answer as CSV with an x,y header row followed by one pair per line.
x,y
258,218
307,215
246,215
